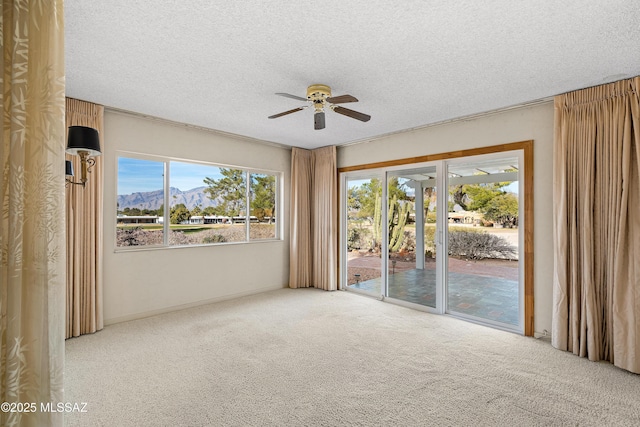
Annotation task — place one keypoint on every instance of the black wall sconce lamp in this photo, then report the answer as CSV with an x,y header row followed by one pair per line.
x,y
84,142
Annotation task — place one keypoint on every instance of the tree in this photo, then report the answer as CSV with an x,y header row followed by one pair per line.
x,y
353,199
482,194
230,190
397,189
179,213
132,211
362,199
503,209
475,197
209,211
263,196
459,196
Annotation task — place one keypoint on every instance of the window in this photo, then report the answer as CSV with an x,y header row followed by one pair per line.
x,y
263,206
140,205
207,204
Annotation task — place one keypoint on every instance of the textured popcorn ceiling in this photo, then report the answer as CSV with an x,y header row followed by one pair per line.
x,y
217,64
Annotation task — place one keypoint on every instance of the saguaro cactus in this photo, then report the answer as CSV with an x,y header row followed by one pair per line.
x,y
397,222
397,217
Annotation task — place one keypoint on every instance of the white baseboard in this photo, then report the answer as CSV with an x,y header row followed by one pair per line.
x,y
144,314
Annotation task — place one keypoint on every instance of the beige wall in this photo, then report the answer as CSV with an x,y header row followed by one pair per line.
x,y
526,123
144,282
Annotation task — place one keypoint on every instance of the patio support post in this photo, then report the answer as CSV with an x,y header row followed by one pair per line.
x,y
419,206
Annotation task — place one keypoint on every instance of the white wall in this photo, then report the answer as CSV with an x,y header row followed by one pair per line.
x,y
144,282
526,123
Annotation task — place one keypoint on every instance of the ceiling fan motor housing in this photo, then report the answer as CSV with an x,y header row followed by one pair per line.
x,y
318,94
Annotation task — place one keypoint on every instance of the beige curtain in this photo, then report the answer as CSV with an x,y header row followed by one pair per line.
x,y
32,256
325,218
596,298
84,231
313,246
300,258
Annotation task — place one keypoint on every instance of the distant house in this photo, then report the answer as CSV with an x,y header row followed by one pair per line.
x,y
241,219
215,219
196,219
465,217
137,219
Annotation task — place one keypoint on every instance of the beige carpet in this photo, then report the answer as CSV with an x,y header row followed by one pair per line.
x,y
305,357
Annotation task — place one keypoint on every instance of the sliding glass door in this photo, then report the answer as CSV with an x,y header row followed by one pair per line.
x,y
363,239
411,230
454,251
483,274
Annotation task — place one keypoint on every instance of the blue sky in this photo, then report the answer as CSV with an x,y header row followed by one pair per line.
x,y
137,175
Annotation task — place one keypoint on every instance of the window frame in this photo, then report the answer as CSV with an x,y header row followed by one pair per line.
x,y
166,229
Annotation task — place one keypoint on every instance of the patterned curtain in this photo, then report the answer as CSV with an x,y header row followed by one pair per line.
x,y
84,231
32,242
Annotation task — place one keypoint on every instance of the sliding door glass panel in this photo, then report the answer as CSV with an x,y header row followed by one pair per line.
x,y
411,229
364,238
483,266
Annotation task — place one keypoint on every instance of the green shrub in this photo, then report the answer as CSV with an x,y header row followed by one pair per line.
x,y
357,237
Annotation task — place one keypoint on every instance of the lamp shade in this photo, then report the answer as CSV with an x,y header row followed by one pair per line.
x,y
82,138
68,168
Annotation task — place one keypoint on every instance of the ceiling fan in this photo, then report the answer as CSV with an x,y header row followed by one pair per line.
x,y
319,96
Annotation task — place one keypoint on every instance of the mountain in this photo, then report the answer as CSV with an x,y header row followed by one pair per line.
x,y
154,199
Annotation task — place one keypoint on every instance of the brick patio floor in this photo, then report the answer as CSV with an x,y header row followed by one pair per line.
x,y
487,292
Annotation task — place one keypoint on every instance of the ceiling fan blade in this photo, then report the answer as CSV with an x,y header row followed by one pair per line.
x,y
275,116
353,114
318,120
342,99
288,95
